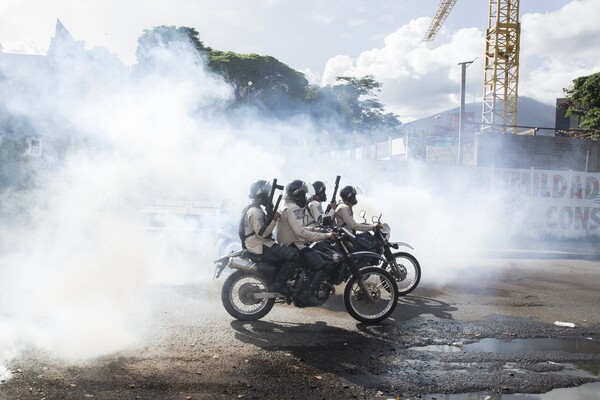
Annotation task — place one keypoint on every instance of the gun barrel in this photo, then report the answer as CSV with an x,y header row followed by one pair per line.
x,y
337,185
270,208
335,189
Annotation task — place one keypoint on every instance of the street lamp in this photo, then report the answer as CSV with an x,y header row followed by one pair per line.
x,y
249,87
461,118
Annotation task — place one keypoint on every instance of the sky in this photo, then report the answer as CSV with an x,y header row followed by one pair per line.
x,y
325,39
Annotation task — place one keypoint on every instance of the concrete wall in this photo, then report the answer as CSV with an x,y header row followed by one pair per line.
x,y
540,152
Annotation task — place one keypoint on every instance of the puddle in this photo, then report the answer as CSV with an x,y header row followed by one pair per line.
x,y
592,368
488,345
586,346
590,391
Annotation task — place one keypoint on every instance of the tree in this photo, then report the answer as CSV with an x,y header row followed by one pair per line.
x,y
277,90
275,86
362,109
583,102
167,36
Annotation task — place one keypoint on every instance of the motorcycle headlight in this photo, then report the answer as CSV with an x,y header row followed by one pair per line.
x,y
385,229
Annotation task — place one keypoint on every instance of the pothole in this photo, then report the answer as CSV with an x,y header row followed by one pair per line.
x,y
489,345
587,391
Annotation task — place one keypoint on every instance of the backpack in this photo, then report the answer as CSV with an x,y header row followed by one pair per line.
x,y
242,226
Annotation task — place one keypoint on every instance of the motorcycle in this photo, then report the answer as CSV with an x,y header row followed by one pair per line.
x,y
402,265
370,293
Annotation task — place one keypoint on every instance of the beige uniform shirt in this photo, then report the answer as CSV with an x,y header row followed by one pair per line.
x,y
255,218
314,210
291,230
344,219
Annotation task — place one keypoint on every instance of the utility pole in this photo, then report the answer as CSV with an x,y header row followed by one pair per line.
x,y
461,118
249,88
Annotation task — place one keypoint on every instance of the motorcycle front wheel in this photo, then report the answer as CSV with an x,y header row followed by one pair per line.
x,y
384,295
407,272
238,298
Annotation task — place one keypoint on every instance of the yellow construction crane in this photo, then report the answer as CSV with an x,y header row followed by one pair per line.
x,y
501,69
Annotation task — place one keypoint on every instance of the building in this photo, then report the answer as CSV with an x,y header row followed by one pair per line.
x,y
17,71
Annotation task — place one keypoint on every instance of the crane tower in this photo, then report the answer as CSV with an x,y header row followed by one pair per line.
x,y
501,69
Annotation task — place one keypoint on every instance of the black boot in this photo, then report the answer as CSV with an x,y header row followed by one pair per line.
x,y
280,284
317,297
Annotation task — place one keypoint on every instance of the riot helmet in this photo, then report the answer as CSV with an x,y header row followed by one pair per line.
x,y
259,192
296,192
320,190
348,194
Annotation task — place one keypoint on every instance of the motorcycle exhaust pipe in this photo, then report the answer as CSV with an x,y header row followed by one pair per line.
x,y
243,264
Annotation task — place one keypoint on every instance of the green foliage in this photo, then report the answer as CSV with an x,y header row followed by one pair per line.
x,y
272,80
166,36
584,101
276,90
362,110
365,86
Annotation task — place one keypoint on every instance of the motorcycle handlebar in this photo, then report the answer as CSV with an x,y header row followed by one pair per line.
x,y
376,220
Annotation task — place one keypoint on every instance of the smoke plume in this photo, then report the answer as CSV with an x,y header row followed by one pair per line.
x,y
82,243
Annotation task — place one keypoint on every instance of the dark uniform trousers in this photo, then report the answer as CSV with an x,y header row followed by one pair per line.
x,y
283,256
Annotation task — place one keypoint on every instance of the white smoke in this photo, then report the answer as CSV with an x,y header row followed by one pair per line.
x,y
442,211
78,257
78,260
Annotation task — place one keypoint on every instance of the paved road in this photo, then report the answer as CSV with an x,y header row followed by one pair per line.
x,y
194,350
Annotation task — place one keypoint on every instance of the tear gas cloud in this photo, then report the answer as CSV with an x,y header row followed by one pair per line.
x,y
78,258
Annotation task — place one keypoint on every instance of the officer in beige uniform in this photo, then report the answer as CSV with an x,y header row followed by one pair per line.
x,y
256,231
291,230
344,216
316,217
254,218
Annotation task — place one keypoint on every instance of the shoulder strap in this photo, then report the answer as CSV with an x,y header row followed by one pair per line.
x,y
242,226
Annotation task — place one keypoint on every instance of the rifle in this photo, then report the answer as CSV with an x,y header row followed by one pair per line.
x,y
271,209
335,189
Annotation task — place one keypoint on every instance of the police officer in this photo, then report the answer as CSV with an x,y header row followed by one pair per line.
x,y
256,231
344,216
314,211
291,230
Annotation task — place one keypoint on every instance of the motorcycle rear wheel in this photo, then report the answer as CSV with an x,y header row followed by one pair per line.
x,y
409,275
238,299
383,290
